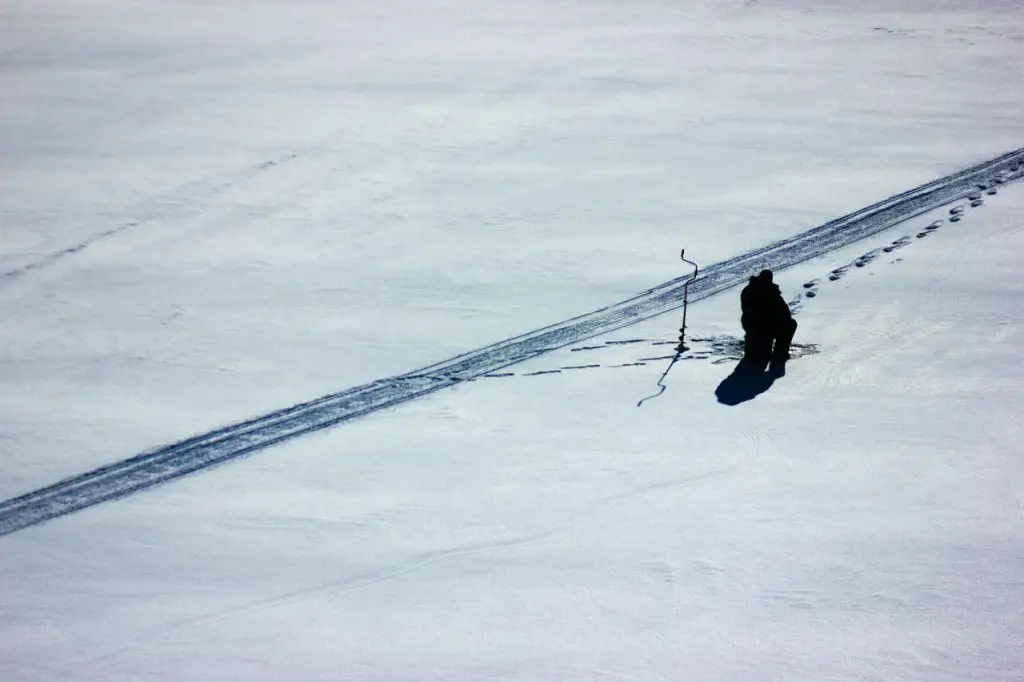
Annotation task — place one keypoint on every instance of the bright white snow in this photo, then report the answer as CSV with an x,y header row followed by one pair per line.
x,y
279,200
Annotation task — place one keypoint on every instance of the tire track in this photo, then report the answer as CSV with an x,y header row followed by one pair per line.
x,y
181,203
221,445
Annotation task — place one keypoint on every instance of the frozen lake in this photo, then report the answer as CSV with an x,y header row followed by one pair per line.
x,y
211,211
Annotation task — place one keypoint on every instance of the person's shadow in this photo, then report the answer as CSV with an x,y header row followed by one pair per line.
x,y
747,381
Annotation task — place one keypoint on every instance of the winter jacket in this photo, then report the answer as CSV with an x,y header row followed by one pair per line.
x,y
764,310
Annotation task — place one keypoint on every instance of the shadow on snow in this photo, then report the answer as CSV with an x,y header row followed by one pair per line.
x,y
747,381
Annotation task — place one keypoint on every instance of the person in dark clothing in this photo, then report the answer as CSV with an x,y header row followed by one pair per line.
x,y
767,323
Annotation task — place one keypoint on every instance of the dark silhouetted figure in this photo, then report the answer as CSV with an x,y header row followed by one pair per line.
x,y
767,323
769,327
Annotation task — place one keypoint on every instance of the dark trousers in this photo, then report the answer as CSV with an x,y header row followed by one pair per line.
x,y
762,346
783,340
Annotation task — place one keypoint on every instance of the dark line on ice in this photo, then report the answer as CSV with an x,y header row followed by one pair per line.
x,y
185,201
221,445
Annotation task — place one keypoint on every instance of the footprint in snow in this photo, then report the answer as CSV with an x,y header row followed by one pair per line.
x,y
811,290
956,210
898,244
977,202
838,273
929,229
866,258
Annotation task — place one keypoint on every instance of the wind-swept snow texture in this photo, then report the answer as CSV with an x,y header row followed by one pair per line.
x,y
170,462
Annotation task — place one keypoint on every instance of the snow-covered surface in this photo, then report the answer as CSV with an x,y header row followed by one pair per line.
x,y
279,200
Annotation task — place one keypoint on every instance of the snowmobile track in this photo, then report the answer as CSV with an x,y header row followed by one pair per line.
x,y
205,450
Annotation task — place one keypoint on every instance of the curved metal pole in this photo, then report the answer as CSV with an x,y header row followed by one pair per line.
x,y
686,294
681,348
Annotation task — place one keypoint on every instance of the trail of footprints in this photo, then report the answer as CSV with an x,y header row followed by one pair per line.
x,y
721,349
956,214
